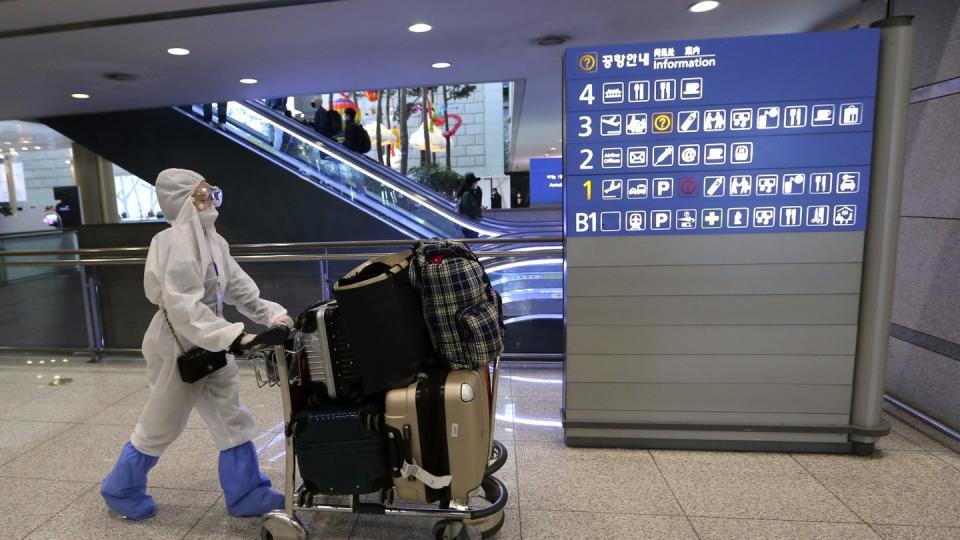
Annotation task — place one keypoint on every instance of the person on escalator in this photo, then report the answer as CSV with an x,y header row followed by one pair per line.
x,y
469,197
189,274
321,121
355,138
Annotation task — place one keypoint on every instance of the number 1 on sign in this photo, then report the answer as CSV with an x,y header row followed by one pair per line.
x,y
589,186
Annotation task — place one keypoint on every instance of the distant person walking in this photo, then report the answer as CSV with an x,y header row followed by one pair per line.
x,y
496,201
354,136
470,195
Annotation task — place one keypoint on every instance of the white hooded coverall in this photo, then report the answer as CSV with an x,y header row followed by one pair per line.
x,y
188,267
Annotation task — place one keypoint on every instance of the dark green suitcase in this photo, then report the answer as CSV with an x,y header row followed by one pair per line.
x,y
341,449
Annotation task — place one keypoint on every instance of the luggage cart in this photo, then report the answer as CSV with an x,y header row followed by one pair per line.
x,y
454,516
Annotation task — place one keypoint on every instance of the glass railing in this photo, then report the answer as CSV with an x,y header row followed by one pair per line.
x,y
95,301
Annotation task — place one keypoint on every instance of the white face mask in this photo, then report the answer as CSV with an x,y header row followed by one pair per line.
x,y
208,217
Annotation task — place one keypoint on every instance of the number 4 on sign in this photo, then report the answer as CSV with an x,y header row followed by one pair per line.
x,y
587,94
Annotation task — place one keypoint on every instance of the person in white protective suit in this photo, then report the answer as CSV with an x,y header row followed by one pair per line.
x,y
190,274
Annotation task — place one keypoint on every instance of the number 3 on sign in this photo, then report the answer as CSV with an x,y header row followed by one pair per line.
x,y
587,94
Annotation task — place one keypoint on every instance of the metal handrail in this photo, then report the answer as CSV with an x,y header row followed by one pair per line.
x,y
281,247
263,258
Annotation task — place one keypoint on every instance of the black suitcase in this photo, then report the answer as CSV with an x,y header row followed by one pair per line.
x,y
341,449
382,315
329,358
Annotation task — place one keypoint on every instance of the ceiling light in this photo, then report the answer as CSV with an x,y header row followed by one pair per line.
x,y
441,65
419,28
552,148
704,6
178,51
80,96
24,147
120,76
67,162
248,81
38,148
549,41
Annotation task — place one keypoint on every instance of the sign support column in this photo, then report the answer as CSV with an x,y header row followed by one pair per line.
x,y
880,250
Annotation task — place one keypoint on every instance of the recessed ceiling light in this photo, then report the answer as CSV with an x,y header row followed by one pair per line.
x,y
24,147
441,65
120,76
419,28
248,81
38,148
552,148
704,6
80,96
178,51
550,41
67,162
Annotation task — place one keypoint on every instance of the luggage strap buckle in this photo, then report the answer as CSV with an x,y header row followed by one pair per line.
x,y
413,470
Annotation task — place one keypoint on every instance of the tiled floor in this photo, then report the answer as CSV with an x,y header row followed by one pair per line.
x,y
57,442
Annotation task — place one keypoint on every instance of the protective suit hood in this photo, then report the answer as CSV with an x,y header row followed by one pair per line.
x,y
175,189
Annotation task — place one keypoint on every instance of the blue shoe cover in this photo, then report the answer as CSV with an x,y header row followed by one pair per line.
x,y
125,488
245,489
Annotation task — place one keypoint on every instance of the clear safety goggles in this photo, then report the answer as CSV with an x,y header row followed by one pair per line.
x,y
206,196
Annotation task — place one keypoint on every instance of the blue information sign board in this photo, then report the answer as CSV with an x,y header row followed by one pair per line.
x,y
720,136
546,181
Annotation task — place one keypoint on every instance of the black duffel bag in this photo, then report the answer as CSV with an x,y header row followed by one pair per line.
x,y
382,316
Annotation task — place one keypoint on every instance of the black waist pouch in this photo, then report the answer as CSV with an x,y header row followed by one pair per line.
x,y
383,319
341,449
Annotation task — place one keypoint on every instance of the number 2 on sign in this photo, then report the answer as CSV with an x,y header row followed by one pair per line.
x,y
589,186
588,155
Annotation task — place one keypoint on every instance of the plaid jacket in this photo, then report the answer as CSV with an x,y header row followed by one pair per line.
x,y
464,315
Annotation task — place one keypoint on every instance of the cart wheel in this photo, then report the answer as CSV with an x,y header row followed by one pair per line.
x,y
498,457
277,525
447,529
492,531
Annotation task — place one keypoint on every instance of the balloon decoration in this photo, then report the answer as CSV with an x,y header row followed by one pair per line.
x,y
372,95
440,120
344,102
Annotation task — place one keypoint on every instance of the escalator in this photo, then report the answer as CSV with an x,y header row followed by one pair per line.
x,y
285,183
380,189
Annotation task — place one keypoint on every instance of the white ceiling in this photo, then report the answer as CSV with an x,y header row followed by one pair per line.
x,y
348,45
25,137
